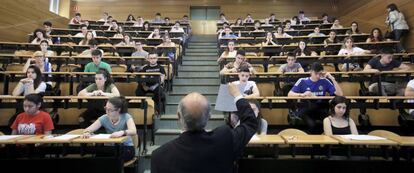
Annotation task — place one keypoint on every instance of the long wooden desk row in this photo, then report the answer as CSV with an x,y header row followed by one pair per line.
x,y
79,102
311,23
9,47
65,153
288,41
127,27
245,32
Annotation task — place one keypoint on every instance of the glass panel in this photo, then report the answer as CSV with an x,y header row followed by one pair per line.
x,y
213,13
198,14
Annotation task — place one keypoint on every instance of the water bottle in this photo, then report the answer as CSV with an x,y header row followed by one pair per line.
x,y
58,40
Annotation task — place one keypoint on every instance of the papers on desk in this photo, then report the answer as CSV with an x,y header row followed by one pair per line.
x,y
7,137
65,137
362,137
101,136
255,138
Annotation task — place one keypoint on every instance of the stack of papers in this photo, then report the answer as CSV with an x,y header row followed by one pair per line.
x,y
362,137
101,136
65,137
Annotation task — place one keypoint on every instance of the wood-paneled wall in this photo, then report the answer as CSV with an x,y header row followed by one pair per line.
x,y
372,13
175,9
21,17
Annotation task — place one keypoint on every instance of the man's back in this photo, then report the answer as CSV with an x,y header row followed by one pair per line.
x,y
201,151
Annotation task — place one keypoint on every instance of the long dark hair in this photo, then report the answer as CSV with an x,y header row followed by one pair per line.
x,y
338,100
119,103
392,7
106,75
39,30
39,79
130,15
380,37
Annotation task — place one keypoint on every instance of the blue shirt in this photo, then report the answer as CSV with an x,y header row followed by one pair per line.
x,y
230,36
122,125
318,88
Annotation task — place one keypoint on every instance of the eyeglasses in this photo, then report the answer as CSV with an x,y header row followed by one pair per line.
x,y
109,109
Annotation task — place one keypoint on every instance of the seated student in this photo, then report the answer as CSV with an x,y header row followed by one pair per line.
x,y
113,26
262,123
250,87
239,61
280,33
109,21
32,121
354,29
257,26
40,35
97,63
77,19
166,41
295,21
152,87
103,86
158,19
177,28
126,41
336,25
44,46
386,63
221,30
318,84
104,18
84,30
288,26
139,50
119,32
93,45
33,83
239,22
266,22
272,18
270,39
117,122
338,122
155,33
130,18
39,60
222,19
325,19
375,36
331,39
290,66
303,50
229,51
302,18
227,33
167,21
316,33
146,26
88,37
409,91
140,22
348,49
47,25
248,19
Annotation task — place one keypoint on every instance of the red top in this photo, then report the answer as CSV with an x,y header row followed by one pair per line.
x,y
38,124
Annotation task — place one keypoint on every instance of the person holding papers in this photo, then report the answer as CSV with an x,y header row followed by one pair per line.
x,y
117,122
339,122
32,121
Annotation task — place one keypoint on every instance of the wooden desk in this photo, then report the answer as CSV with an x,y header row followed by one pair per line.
x,y
92,140
14,140
42,139
309,139
384,142
267,139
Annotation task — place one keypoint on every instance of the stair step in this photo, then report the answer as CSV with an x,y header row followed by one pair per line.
x,y
203,44
150,149
201,63
202,47
171,108
201,51
200,75
198,58
177,98
201,89
196,81
201,54
173,123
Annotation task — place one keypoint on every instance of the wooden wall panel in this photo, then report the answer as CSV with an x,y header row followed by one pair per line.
x,y
372,13
93,9
21,17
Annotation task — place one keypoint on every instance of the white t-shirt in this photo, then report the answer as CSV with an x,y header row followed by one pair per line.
x,y
411,85
39,89
230,54
353,51
248,87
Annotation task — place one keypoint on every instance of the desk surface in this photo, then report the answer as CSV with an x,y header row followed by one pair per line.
x,y
405,141
344,141
267,139
309,139
92,140
14,140
43,139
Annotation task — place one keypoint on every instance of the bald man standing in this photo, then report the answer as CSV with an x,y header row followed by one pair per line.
x,y
197,150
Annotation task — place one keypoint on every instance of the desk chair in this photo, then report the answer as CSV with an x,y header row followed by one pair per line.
x,y
133,163
291,131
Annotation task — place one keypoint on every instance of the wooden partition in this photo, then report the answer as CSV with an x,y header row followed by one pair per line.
x,y
21,17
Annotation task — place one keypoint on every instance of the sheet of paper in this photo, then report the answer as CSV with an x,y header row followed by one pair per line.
x,y
255,138
225,101
65,137
101,136
7,137
362,137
